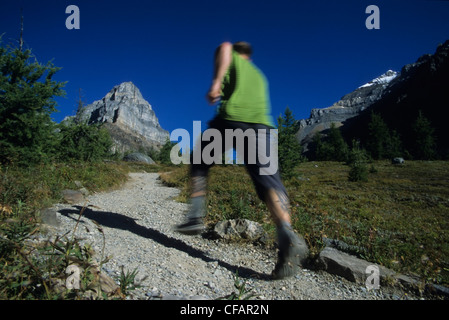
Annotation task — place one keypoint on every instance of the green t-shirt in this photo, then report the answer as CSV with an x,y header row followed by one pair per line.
x,y
245,95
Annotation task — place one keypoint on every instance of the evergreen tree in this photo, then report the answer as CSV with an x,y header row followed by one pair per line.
x,y
334,148
289,149
164,153
357,160
316,146
425,141
381,142
323,150
339,146
394,146
27,94
378,135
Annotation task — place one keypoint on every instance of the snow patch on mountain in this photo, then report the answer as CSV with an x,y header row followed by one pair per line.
x,y
384,79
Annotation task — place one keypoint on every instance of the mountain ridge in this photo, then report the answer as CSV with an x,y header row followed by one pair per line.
x,y
129,118
349,106
421,88
398,98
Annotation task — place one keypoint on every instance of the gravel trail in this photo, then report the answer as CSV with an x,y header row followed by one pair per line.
x,y
138,220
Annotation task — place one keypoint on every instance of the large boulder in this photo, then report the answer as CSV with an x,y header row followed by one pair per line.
x,y
350,267
138,157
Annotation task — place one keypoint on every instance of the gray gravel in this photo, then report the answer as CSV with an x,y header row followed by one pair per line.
x,y
137,223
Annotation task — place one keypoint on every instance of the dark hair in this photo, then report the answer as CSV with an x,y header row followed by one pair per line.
x,y
243,47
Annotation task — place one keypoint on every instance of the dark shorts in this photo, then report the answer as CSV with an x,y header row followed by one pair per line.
x,y
260,169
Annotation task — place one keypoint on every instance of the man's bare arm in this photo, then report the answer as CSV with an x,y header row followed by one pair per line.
x,y
223,59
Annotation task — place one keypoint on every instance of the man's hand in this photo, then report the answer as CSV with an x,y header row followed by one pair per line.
x,y
214,94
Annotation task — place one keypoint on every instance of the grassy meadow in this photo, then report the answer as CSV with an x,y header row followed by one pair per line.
x,y
399,218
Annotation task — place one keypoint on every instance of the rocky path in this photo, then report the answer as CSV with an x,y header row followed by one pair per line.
x,y
137,222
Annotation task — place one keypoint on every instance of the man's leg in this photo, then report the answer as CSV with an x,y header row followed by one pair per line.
x,y
194,218
293,249
279,206
198,179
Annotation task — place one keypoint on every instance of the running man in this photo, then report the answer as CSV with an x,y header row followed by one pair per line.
x,y
242,90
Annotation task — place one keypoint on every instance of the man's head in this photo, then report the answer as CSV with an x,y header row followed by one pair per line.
x,y
243,48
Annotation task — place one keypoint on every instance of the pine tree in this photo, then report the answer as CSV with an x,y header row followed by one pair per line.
x,y
334,148
289,149
339,146
357,160
164,153
378,135
27,94
382,142
393,146
424,137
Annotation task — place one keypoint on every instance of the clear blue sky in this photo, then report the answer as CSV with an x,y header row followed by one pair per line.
x,y
312,52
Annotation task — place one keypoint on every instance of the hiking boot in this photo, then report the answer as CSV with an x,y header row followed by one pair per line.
x,y
194,218
292,254
193,226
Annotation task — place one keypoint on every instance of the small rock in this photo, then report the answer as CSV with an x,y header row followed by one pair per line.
x,y
72,196
398,160
107,284
84,191
240,229
49,217
78,184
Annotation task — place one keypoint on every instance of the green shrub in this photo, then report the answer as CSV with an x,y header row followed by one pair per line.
x,y
82,142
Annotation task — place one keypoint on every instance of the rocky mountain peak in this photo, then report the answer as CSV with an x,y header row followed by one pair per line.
x,y
125,91
130,119
349,106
